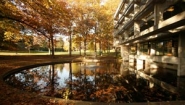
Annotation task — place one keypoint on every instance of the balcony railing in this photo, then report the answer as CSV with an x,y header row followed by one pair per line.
x,y
120,8
144,10
129,8
167,25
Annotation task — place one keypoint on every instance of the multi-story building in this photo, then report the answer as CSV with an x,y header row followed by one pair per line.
x,y
151,33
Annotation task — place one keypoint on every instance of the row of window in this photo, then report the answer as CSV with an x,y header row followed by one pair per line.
x,y
168,13
161,48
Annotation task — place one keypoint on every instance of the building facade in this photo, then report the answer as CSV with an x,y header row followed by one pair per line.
x,y
151,34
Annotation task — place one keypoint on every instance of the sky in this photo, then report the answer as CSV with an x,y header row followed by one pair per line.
x,y
103,1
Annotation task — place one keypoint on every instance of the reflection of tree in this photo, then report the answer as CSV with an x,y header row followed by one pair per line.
x,y
92,83
86,88
52,83
32,80
70,85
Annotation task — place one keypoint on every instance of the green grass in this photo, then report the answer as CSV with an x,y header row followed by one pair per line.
x,y
91,53
31,53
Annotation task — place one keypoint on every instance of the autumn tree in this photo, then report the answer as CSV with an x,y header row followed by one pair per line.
x,y
94,22
46,17
10,34
103,14
77,39
91,20
84,21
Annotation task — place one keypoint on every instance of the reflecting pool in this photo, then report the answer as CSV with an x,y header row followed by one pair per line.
x,y
95,81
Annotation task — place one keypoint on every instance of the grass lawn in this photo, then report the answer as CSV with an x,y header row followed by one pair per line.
x,y
30,53
91,53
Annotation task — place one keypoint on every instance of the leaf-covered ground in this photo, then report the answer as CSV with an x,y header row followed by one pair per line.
x,y
13,96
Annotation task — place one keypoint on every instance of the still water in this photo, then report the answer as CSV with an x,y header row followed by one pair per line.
x,y
94,81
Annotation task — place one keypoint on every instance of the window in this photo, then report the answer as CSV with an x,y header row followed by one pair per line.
x,y
168,48
175,47
174,10
159,48
133,50
144,48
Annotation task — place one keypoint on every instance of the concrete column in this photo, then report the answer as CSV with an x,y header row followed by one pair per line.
x,y
120,38
136,28
138,52
181,55
139,64
147,64
124,53
126,35
158,15
152,49
136,8
136,23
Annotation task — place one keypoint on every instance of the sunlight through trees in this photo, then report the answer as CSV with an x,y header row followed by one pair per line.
x,y
85,22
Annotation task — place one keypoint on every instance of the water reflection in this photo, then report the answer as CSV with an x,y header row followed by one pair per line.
x,y
93,81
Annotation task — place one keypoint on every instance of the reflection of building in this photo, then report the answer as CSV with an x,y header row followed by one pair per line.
x,y
152,33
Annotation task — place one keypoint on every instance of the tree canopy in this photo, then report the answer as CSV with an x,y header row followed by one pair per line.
x,y
88,19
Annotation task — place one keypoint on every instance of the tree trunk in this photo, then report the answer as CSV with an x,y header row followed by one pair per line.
x,y
49,47
52,45
70,44
70,76
80,49
100,46
85,47
52,89
95,49
108,47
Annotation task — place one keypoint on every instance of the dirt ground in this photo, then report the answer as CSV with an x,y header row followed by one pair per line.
x,y
13,96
